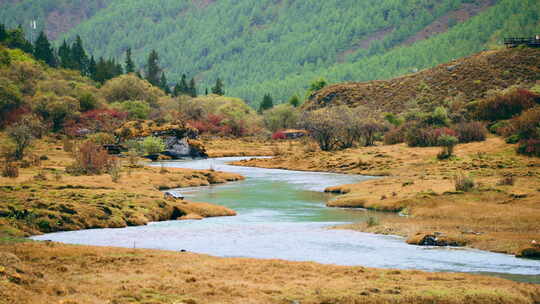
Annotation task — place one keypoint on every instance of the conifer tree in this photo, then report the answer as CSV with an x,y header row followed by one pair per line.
x,y
44,51
64,54
206,91
79,57
152,69
192,88
15,40
267,103
218,88
92,68
163,84
294,101
3,33
130,66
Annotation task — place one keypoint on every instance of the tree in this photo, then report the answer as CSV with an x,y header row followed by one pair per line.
x,y
129,65
267,103
181,88
16,40
163,84
21,135
153,145
44,51
3,33
92,68
283,116
316,85
79,57
64,54
218,88
192,88
152,69
294,101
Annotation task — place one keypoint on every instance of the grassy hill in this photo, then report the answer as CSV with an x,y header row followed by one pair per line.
x,y
279,47
466,79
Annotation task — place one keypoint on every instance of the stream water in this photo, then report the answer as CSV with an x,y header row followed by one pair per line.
x,y
282,214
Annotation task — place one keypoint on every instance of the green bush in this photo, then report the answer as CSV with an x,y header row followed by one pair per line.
x,y
153,145
447,142
102,138
136,109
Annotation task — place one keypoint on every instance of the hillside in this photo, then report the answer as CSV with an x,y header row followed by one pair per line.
x,y
466,79
281,46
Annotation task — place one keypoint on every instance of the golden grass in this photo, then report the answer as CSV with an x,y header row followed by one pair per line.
x,y
228,147
502,218
57,201
35,272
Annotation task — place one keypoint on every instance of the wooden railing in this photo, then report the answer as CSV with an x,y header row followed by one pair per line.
x,y
531,42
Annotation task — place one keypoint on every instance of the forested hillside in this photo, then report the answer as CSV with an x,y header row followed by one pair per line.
x,y
280,47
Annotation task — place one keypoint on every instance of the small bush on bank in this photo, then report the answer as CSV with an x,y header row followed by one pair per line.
x,y
90,159
279,135
427,136
447,143
508,180
470,131
115,170
10,169
394,136
153,145
530,147
463,183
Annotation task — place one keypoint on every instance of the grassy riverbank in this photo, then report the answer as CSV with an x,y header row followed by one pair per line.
x,y
35,272
500,214
44,198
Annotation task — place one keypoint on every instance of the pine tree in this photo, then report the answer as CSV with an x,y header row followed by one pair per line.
x,y
130,66
152,69
79,57
16,40
192,88
92,68
64,54
43,50
3,33
267,103
118,69
206,91
294,101
163,84
218,88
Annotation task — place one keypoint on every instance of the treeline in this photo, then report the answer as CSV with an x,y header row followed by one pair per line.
x,y
74,56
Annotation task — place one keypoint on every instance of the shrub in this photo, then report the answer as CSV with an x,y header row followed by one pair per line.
x,y
136,109
56,110
448,143
394,136
153,145
130,87
470,131
21,135
507,180
372,221
463,183
498,127
279,135
530,147
10,169
115,170
426,136
526,126
67,145
88,102
102,138
90,158
283,116
506,105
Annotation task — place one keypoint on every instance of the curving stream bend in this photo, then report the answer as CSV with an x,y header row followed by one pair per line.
x,y
282,214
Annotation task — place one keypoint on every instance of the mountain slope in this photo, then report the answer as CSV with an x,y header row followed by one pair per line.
x,y
281,46
464,79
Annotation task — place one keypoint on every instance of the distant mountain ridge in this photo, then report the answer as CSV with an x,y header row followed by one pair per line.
x,y
279,47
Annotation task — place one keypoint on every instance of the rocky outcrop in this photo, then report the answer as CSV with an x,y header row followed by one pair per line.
x,y
530,252
433,239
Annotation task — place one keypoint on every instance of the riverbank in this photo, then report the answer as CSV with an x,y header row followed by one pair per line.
x,y
41,272
43,198
500,214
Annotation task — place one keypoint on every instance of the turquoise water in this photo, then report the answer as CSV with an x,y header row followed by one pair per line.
x,y
282,214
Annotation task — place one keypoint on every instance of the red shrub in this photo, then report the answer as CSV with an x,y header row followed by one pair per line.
x,y
529,147
470,131
505,106
90,158
279,135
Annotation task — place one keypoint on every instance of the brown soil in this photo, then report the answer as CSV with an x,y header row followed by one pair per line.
x,y
467,79
53,273
501,218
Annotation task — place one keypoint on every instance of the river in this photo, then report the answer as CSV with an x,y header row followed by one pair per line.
x,y
282,215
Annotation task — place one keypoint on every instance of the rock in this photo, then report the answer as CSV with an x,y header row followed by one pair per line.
x,y
432,239
530,252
